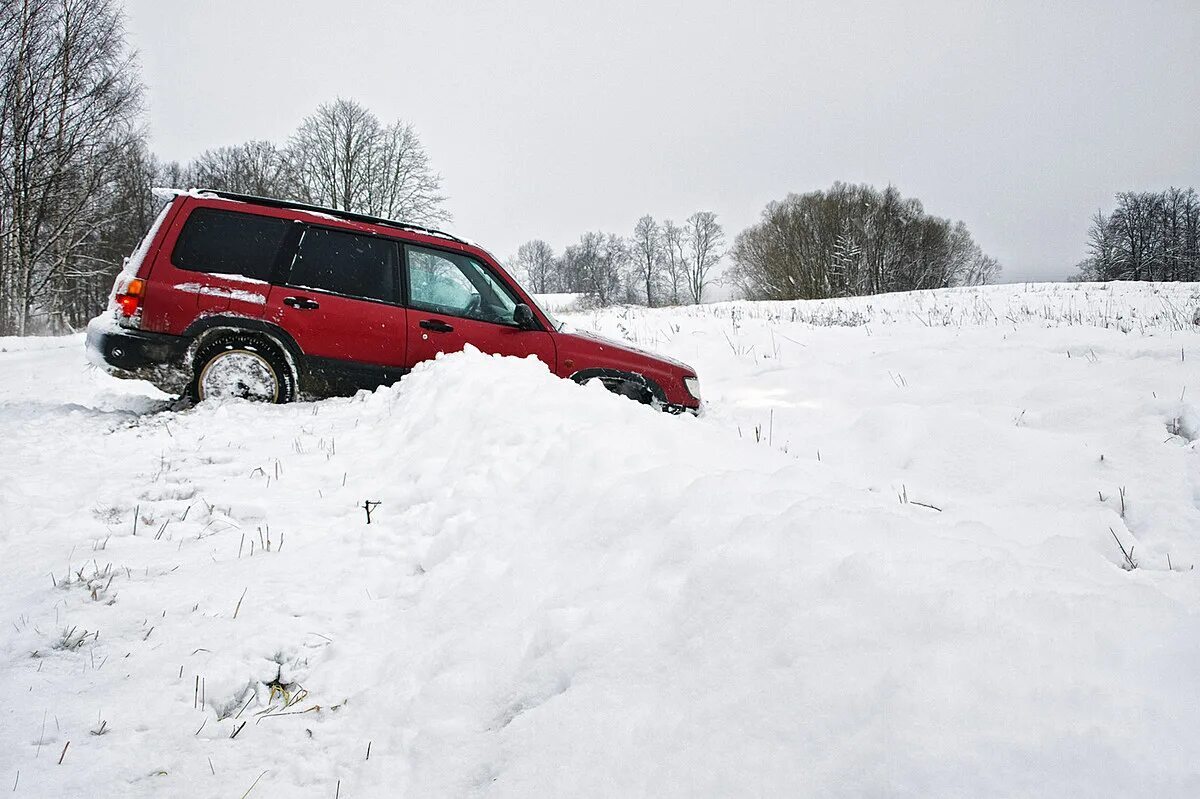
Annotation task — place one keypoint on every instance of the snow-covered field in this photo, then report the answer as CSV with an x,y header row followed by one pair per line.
x,y
887,561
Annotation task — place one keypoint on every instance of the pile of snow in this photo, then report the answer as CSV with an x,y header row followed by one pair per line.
x,y
885,562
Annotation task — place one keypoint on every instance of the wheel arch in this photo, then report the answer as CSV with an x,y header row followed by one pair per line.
x,y
204,329
656,391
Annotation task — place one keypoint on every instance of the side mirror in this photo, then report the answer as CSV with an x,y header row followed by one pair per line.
x,y
524,317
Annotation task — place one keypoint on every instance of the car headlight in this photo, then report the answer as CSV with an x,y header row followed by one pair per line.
x,y
693,386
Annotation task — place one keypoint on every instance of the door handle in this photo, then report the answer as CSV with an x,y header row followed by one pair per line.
x,y
302,303
436,325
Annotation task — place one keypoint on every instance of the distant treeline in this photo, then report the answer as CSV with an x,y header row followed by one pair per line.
x,y
847,241
1148,236
76,177
853,240
658,264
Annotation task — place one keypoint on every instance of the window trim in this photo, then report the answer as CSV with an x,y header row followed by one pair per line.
x,y
285,270
491,272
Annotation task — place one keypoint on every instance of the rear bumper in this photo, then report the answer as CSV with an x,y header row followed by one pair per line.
x,y
122,352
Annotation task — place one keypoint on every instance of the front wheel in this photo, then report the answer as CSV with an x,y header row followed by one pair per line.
x,y
241,367
626,387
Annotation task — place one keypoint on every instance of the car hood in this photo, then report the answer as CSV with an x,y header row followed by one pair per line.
x,y
625,346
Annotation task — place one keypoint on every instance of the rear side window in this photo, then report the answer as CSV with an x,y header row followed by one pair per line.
x,y
229,243
346,263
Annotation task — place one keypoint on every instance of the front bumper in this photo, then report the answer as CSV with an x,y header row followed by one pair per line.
x,y
122,352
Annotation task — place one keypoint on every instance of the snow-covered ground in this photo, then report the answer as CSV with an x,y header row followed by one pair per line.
x,y
885,562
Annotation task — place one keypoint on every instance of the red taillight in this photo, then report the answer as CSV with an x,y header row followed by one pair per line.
x,y
129,304
131,297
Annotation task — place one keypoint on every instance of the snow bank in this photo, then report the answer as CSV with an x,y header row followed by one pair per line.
x,y
1140,307
562,592
34,343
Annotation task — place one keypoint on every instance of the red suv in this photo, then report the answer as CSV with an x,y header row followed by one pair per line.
x,y
230,295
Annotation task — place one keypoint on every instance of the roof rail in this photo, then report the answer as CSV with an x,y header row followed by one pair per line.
x,y
272,202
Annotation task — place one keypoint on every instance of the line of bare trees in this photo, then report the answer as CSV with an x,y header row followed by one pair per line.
x,y
341,156
847,241
70,104
76,177
1148,236
660,263
850,241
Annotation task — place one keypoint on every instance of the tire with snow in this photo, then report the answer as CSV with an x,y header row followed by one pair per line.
x,y
624,386
243,366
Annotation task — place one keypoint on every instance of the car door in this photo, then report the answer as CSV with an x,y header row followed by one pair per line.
x,y
339,301
455,300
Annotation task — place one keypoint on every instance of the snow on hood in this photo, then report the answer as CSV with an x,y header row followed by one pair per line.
x,y
626,347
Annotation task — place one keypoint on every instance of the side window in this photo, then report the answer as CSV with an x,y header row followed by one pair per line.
x,y
229,243
456,285
345,263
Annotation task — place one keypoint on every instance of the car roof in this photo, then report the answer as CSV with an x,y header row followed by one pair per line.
x,y
272,202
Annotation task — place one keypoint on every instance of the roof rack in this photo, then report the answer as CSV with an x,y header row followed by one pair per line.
x,y
271,202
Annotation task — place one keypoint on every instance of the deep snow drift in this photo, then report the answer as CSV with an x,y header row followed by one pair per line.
x,y
885,562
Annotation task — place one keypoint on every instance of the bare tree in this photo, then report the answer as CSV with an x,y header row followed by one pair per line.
x,y
613,265
127,208
754,260
657,265
172,174
256,167
403,184
674,259
595,267
343,157
704,239
535,260
331,154
647,247
1137,244
69,100
569,268
1148,236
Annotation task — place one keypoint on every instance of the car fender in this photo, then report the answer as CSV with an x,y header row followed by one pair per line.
x,y
207,325
583,375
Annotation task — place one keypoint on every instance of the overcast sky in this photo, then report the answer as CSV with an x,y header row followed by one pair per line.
x,y
547,119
